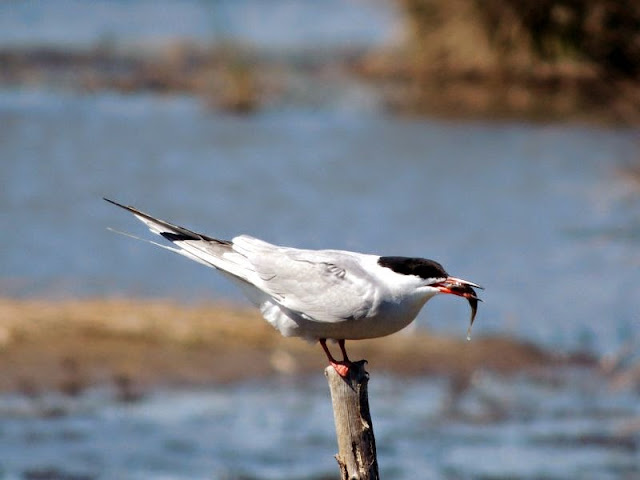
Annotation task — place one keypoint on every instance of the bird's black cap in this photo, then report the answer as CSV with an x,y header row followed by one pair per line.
x,y
421,267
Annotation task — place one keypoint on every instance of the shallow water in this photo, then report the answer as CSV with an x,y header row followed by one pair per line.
x,y
553,427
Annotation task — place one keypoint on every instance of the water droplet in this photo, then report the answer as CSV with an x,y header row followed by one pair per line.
x,y
469,333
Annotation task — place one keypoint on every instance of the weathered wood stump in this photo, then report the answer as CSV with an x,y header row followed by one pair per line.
x,y
356,443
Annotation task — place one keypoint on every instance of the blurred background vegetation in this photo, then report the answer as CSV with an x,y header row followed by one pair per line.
x,y
523,34
541,58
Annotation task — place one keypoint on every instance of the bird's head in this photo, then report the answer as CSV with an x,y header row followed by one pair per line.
x,y
434,279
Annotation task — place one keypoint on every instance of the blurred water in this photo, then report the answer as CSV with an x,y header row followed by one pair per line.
x,y
560,427
530,212
263,24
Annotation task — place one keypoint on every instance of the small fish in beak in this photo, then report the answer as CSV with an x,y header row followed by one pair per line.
x,y
462,288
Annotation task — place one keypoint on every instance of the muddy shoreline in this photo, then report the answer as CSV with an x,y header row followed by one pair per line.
x,y
72,345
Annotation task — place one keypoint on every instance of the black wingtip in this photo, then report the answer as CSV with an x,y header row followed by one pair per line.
x,y
174,233
115,203
140,213
131,209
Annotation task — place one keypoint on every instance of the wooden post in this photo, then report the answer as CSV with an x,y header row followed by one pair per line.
x,y
356,444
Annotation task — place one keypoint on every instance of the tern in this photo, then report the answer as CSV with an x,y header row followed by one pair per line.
x,y
319,295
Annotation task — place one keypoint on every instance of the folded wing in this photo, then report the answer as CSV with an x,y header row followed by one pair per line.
x,y
324,285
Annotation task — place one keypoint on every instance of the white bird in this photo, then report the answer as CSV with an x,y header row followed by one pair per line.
x,y
319,294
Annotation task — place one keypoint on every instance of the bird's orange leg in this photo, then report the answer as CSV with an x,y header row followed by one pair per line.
x,y
342,367
345,358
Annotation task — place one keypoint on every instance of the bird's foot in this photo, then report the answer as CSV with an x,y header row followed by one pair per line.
x,y
342,368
